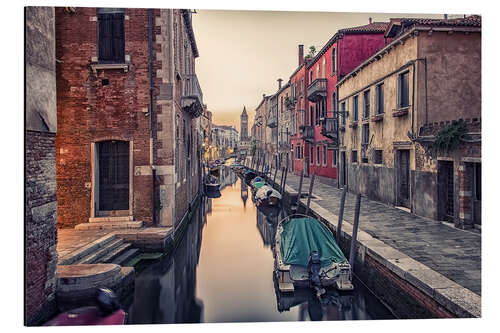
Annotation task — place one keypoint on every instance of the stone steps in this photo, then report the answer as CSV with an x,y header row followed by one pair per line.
x,y
109,225
97,256
84,251
115,253
126,257
111,219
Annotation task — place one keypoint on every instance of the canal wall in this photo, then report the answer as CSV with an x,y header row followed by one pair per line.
x,y
409,288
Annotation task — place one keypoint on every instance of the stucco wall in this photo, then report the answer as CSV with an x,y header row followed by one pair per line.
x,y
454,75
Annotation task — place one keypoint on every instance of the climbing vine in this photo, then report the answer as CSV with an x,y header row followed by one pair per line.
x,y
449,138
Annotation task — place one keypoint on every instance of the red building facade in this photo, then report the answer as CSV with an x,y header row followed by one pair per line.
x,y
315,144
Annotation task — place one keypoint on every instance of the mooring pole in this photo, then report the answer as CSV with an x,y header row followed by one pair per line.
x,y
341,213
354,238
284,182
274,178
282,177
300,188
311,185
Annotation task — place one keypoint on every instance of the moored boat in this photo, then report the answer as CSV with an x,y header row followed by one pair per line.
x,y
107,312
306,255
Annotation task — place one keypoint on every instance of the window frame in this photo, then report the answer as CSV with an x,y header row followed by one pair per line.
x,y
379,98
366,104
365,134
325,156
334,158
115,16
355,108
318,155
334,60
354,152
401,88
375,159
312,155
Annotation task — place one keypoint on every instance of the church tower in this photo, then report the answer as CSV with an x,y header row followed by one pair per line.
x,y
244,125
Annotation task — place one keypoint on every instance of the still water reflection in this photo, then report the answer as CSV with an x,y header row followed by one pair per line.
x,y
222,271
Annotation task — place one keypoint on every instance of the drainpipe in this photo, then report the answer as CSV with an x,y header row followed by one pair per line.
x,y
151,104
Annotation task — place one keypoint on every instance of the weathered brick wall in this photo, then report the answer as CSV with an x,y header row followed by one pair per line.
x,y
40,227
40,177
89,111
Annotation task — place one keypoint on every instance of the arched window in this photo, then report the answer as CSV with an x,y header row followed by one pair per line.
x,y
334,103
334,61
323,72
317,71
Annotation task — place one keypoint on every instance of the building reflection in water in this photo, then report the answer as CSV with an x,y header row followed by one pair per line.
x,y
244,194
165,291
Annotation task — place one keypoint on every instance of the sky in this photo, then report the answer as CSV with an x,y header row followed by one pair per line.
x,y
243,53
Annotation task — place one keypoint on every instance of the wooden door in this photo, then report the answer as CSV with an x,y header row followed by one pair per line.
x,y
445,191
403,169
113,175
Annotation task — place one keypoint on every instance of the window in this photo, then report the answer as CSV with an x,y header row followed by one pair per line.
x,y
318,155
366,109
334,158
366,134
317,115
310,77
334,63
317,72
477,181
403,90
355,108
311,115
377,156
324,155
334,103
323,108
354,156
111,35
342,109
379,96
312,155
302,87
323,68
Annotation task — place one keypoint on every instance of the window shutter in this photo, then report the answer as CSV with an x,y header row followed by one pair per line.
x,y
377,100
118,38
105,37
400,79
381,99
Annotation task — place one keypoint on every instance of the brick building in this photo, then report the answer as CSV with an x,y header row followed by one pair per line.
x,y
40,158
128,102
427,80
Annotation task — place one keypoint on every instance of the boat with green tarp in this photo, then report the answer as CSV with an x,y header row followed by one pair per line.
x,y
307,255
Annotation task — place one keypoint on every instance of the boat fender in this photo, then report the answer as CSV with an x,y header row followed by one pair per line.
x,y
107,301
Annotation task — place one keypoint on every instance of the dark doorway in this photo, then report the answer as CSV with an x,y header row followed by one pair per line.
x,y
476,196
403,177
445,191
343,167
113,175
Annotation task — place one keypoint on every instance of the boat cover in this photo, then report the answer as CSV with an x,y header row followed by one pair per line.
x,y
262,192
300,236
258,185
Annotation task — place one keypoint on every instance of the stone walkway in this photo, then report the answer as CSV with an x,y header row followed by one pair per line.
x,y
453,253
69,240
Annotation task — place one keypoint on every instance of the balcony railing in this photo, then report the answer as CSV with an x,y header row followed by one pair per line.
x,y
308,133
317,90
272,120
329,128
192,97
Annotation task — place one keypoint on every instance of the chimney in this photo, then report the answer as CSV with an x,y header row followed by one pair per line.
x,y
370,20
301,54
279,83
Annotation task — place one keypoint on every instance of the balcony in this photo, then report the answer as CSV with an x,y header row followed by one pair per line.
x,y
272,120
329,128
192,98
317,90
308,133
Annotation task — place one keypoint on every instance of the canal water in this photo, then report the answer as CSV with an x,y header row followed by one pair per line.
x,y
222,271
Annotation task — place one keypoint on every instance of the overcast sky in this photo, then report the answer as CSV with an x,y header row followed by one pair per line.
x,y
243,53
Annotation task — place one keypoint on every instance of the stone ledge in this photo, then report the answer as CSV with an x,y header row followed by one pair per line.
x,y
457,299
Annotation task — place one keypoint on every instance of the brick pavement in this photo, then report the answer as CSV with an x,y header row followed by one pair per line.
x,y
453,253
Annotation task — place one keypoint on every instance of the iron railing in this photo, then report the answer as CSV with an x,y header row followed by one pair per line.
x,y
317,90
192,97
